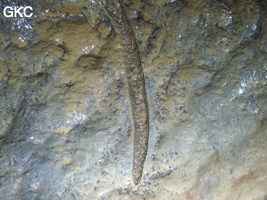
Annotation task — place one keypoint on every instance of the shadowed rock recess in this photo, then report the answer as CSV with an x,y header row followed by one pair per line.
x,y
66,129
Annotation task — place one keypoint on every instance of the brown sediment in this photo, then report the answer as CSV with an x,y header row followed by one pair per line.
x,y
137,89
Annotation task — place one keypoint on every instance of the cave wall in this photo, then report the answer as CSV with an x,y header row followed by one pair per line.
x,y
65,120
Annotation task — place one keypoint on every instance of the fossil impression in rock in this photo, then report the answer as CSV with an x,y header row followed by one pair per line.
x,y
136,85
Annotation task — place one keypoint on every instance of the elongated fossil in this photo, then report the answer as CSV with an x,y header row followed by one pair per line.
x,y
137,89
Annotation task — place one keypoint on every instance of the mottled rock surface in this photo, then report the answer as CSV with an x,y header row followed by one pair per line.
x,y
65,119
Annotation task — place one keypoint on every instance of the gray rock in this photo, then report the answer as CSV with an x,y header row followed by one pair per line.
x,y
65,120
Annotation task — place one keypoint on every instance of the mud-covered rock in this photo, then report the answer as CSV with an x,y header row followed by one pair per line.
x,y
65,120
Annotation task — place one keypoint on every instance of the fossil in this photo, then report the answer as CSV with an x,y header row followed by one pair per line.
x,y
136,85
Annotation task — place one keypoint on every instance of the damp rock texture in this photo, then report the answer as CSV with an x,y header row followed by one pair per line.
x,y
65,117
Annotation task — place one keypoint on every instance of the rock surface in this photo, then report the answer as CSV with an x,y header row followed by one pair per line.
x,y
65,120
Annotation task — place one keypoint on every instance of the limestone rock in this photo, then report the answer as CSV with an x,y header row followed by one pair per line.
x,y
65,120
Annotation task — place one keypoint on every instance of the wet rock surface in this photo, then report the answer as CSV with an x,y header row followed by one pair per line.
x,y
65,120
